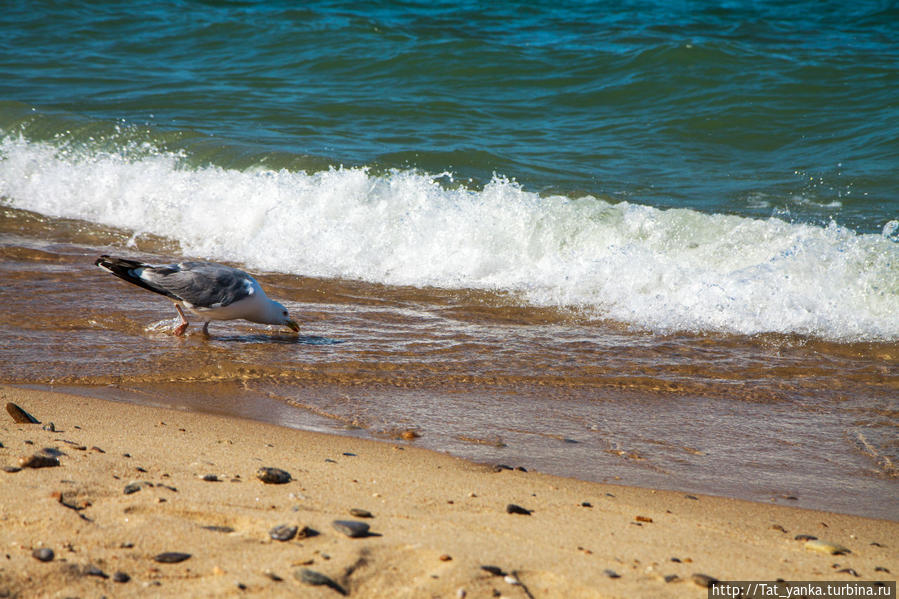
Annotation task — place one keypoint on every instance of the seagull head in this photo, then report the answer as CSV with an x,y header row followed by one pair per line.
x,y
280,316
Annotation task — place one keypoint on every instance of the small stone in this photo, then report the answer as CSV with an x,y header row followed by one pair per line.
x,y
273,576
495,570
360,513
643,519
273,476
671,578
50,427
611,573
133,487
586,504
881,569
43,554
825,547
805,538
95,571
171,557
307,532
517,509
211,478
121,577
445,557
241,586
703,580
313,578
39,460
11,469
283,532
693,497
214,528
351,528
849,571
19,415
410,434
778,527
501,467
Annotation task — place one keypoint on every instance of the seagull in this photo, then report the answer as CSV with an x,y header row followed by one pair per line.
x,y
211,291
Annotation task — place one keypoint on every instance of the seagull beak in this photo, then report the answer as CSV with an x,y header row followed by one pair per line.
x,y
293,325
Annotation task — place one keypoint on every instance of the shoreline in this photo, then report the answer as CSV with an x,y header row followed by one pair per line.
x,y
437,520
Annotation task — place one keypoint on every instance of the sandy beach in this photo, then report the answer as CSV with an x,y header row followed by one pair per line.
x,y
135,485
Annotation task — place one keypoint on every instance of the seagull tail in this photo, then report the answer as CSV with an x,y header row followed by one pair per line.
x,y
124,269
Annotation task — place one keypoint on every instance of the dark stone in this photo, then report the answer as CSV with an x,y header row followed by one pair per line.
x,y
351,528
806,538
39,461
313,578
171,557
283,532
121,577
273,476
95,571
219,528
11,469
517,509
19,415
704,580
501,467
611,573
43,554
211,478
495,570
360,513
671,578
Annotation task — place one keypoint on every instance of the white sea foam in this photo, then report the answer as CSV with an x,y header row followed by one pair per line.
x,y
664,270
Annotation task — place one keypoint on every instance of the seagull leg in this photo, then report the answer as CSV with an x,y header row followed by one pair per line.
x,y
179,330
206,328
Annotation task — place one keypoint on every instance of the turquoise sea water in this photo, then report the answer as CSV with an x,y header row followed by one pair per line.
x,y
519,212
750,108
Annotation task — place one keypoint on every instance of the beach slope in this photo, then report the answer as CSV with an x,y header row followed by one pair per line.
x,y
136,501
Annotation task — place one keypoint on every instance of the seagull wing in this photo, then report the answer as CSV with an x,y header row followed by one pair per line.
x,y
199,284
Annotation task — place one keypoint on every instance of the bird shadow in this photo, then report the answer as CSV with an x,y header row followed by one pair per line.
x,y
281,339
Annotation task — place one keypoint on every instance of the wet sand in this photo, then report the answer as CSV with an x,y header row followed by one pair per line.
x,y
437,520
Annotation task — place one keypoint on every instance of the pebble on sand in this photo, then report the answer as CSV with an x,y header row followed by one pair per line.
x,y
171,557
273,476
43,554
317,579
283,532
517,509
19,415
611,573
39,460
825,547
121,577
351,528
92,570
703,580
360,513
495,570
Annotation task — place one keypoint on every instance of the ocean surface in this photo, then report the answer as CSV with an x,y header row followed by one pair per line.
x,y
647,242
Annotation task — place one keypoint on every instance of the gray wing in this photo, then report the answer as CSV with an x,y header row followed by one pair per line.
x,y
200,284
